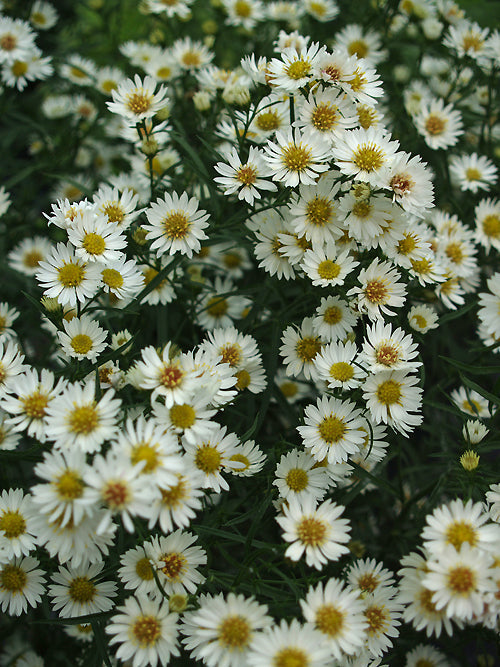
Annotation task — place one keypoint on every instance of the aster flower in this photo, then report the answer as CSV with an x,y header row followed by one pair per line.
x,y
473,172
180,500
326,113
176,225
393,398
296,67
487,223
299,348
334,319
411,183
246,178
314,530
26,255
295,157
17,527
21,585
145,630
297,476
82,338
379,290
75,591
440,125
176,559
191,55
221,630
382,613
385,348
137,100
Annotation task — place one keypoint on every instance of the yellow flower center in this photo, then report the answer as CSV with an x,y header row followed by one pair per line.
x,y
330,620
146,631
144,570
324,117
145,451
243,379
376,291
176,225
78,73
81,590
173,565
491,225
35,404
173,496
94,244
358,47
297,479
459,532
341,371
332,429
241,458
378,619
112,278
368,582
208,459
435,124
421,266
319,211
115,494
109,85
455,253
307,348
71,275
402,183
473,174
387,355
362,209
296,157
12,579
368,157
328,269
420,321
19,68
389,392
81,343
406,245
268,121
69,485
138,102
12,523
298,69
366,115
472,42
461,580
231,354
84,419
32,259
114,212
191,59
425,599
234,632
232,260
182,416
8,42
216,306
171,376
332,315
289,389
246,175
311,531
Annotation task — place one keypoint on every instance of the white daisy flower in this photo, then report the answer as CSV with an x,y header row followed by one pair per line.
x,y
467,39
122,278
299,348
382,613
82,338
473,172
220,304
136,572
393,398
337,612
176,225
64,496
108,79
245,178
119,208
493,500
78,70
298,476
411,183
9,438
165,375
137,100
295,157
221,630
364,218
363,85
245,13
369,576
191,419
474,431
76,592
21,585
314,210
176,562
332,429
334,319
145,440
366,155
31,394
268,228
170,9
191,55
251,457
292,390
75,418
268,116
26,255
64,213
326,113
487,223
11,365
379,290
387,349
16,39
337,365
355,41
471,402
116,486
440,125
67,277
18,535
164,290
423,318
460,580
426,655
289,644
145,630
295,68
412,248
179,501
321,10
30,68
314,530
457,524
213,455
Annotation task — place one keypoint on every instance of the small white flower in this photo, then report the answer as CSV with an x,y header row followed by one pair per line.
x,y
137,100
82,338
245,178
